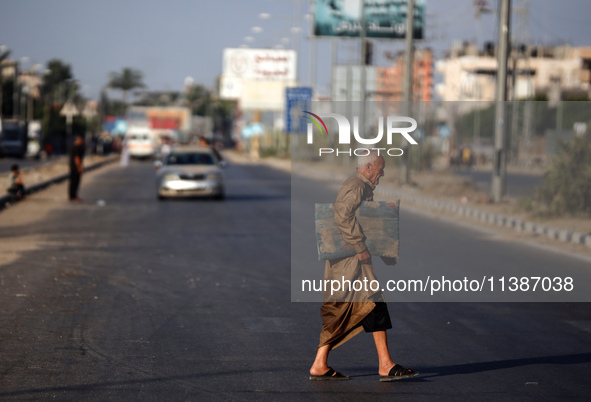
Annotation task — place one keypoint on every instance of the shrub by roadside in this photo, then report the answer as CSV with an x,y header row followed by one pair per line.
x,y
566,188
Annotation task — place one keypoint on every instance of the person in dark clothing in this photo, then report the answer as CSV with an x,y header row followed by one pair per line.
x,y
203,142
76,168
15,185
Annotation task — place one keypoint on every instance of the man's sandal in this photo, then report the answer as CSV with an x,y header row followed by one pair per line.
x,y
330,375
398,372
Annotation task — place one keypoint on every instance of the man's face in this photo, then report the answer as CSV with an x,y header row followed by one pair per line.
x,y
376,170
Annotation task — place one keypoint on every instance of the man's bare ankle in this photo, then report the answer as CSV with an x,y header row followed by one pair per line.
x,y
386,367
319,370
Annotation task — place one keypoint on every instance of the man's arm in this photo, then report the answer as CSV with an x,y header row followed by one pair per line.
x,y
78,163
20,179
345,207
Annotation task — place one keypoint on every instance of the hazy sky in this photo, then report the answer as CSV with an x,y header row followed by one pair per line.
x,y
169,40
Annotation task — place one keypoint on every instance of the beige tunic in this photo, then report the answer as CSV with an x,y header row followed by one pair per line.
x,y
343,311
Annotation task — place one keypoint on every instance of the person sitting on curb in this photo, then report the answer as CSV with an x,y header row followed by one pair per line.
x,y
15,184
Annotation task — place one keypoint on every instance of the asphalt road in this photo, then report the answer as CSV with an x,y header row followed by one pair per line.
x,y
191,300
517,184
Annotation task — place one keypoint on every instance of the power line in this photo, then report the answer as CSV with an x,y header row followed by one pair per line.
x,y
541,26
570,19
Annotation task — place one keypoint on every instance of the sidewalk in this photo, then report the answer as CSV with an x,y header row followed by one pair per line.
x,y
445,196
39,177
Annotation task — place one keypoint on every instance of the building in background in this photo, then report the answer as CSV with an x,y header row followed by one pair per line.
x,y
469,73
390,80
384,83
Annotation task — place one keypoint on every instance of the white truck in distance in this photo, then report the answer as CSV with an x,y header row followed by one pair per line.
x,y
141,142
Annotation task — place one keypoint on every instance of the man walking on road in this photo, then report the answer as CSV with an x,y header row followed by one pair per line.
x,y
76,168
342,320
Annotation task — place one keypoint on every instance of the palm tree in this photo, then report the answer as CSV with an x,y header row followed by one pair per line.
x,y
3,56
198,98
125,81
58,83
58,86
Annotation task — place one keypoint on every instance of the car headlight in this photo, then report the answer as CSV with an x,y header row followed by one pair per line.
x,y
214,176
170,177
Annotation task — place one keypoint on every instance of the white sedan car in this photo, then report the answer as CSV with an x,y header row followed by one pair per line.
x,y
190,172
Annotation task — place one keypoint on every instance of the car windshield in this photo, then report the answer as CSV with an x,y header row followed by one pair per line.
x,y
190,159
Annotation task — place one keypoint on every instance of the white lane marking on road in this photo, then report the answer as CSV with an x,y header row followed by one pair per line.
x,y
581,325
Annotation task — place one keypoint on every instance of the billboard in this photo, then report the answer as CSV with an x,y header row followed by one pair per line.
x,y
231,87
260,64
163,118
384,19
264,95
257,78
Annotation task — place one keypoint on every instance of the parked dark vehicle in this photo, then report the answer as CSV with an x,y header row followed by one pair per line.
x,y
13,138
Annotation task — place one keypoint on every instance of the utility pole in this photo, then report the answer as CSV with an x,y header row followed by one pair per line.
x,y
520,38
313,65
408,81
313,55
362,67
500,160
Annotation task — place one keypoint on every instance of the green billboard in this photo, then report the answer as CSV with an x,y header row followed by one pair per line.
x,y
384,19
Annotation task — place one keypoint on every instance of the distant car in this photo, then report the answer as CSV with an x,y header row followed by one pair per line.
x,y
190,172
141,142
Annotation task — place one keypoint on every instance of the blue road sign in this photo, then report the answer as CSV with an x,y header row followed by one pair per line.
x,y
443,131
296,101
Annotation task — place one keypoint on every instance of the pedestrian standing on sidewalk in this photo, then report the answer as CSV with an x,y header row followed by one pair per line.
x,y
76,168
363,310
124,161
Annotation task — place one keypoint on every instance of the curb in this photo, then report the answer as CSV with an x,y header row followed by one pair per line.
x,y
7,201
565,236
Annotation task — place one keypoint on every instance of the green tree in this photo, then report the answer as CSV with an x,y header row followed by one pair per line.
x,y
567,185
198,99
125,81
222,114
166,98
59,85
111,107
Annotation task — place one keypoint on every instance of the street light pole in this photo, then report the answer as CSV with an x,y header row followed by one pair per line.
x,y
15,91
500,157
408,81
362,35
